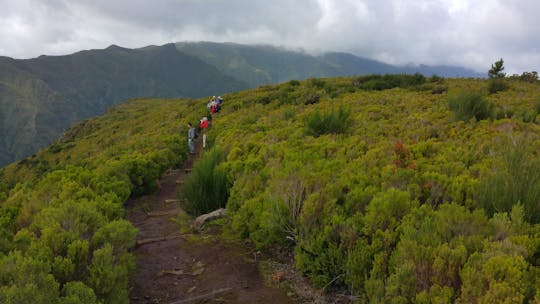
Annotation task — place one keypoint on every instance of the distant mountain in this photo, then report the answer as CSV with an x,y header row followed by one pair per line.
x,y
263,64
40,97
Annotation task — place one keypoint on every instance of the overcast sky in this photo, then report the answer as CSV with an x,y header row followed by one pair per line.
x,y
469,33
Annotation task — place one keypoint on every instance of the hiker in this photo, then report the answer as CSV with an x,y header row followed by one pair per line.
x,y
219,101
204,125
191,138
211,102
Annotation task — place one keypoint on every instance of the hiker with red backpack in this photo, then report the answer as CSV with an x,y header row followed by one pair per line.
x,y
204,124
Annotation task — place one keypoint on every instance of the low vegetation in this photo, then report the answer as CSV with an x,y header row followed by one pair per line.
x,y
207,188
63,236
417,202
420,192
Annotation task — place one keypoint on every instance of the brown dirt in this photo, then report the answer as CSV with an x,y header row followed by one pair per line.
x,y
190,267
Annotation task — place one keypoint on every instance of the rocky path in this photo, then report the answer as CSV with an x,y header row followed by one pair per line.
x,y
175,267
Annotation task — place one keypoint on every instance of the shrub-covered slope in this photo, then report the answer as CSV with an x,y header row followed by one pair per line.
x,y
381,186
388,193
63,236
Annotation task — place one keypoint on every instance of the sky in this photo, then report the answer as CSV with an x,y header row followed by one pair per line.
x,y
469,33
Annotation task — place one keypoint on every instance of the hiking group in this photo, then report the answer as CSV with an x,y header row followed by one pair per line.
x,y
214,105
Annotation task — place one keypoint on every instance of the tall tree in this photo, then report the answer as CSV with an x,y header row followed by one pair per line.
x,y
496,69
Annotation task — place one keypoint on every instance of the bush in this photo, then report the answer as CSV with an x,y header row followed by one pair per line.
x,y
317,83
335,122
294,83
515,180
207,188
497,85
109,275
388,81
466,105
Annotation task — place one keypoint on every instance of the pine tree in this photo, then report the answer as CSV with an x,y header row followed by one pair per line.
x,y
496,69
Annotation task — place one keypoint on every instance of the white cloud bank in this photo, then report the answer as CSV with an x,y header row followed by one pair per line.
x,y
469,33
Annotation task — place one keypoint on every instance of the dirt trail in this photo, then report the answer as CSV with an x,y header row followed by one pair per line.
x,y
189,268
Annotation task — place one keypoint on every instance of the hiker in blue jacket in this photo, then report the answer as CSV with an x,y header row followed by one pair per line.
x,y
191,138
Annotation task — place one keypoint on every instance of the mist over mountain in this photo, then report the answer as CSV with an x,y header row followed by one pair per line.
x,y
41,97
264,64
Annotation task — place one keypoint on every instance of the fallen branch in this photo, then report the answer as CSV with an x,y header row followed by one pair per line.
x,y
204,296
201,220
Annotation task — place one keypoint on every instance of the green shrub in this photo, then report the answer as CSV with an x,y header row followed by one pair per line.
x,y
537,106
497,85
143,174
294,82
436,79
317,83
207,187
77,292
109,275
289,114
334,122
516,180
389,81
466,105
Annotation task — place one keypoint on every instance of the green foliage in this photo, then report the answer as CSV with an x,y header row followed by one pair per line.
x,y
333,122
294,83
108,275
497,85
207,187
496,69
394,209
120,234
61,217
389,210
317,83
26,280
388,81
516,180
466,105
77,292
531,77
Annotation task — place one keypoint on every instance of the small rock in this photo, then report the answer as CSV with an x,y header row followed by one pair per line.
x,y
192,289
197,271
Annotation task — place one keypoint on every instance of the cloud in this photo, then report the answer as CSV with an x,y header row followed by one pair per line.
x,y
457,32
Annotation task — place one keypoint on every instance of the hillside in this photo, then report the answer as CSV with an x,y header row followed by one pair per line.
x,y
380,187
261,65
41,97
